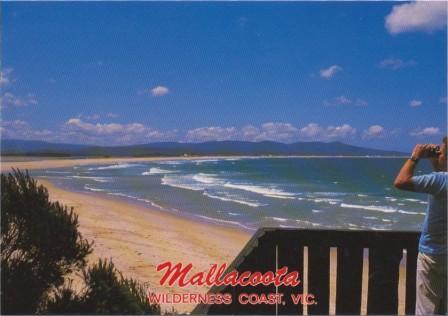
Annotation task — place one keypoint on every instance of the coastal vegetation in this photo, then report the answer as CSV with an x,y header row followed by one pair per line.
x,y
42,247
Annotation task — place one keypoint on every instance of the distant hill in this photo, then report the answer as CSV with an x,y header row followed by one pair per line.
x,y
213,148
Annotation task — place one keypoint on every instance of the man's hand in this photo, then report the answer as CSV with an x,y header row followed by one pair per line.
x,y
419,151
422,150
403,181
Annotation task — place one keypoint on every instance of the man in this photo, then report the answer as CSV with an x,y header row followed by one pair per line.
x,y
431,262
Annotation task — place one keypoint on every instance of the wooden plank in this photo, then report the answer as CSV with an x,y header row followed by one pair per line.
x,y
319,277
262,259
411,273
349,280
291,256
384,262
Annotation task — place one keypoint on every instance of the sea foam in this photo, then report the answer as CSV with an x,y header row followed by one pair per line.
x,y
235,200
89,188
181,182
265,191
384,209
96,179
156,170
115,166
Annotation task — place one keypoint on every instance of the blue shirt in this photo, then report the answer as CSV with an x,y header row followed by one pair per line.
x,y
433,237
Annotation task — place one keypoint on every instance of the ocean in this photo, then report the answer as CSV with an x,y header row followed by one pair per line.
x,y
340,193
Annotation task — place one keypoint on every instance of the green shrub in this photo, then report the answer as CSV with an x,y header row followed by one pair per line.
x,y
40,243
106,292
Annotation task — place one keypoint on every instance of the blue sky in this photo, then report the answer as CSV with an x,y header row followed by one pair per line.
x,y
370,74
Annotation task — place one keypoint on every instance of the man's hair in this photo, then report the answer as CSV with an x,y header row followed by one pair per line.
x,y
445,140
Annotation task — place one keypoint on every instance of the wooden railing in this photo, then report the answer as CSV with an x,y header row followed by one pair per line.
x,y
272,248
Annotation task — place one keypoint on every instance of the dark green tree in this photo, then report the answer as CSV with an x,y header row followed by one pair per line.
x,y
41,246
40,243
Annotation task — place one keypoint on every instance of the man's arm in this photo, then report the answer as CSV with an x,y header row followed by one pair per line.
x,y
403,181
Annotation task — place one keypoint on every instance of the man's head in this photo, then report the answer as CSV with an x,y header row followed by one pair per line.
x,y
439,162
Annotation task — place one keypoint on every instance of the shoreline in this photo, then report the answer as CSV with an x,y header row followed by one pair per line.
x,y
139,238
156,208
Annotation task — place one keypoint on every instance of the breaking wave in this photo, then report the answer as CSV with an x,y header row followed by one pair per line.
x,y
156,170
115,166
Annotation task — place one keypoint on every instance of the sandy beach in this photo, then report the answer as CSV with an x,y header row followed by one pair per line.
x,y
138,238
49,163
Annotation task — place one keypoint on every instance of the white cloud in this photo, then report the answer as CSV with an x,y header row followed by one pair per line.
x,y
76,130
361,102
249,132
16,124
340,100
5,78
415,103
343,100
425,16
271,131
427,131
97,116
329,72
104,129
93,117
112,115
396,63
114,133
20,129
159,91
314,131
10,100
374,131
343,131
277,131
211,133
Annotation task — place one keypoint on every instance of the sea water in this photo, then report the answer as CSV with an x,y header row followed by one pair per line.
x,y
342,193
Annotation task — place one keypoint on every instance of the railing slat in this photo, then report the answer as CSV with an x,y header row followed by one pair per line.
x,y
349,280
263,258
291,256
384,265
319,277
411,271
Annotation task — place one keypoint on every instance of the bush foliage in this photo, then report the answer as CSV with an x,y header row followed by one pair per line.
x,y
106,292
41,245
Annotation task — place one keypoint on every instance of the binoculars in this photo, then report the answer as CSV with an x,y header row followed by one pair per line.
x,y
433,152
